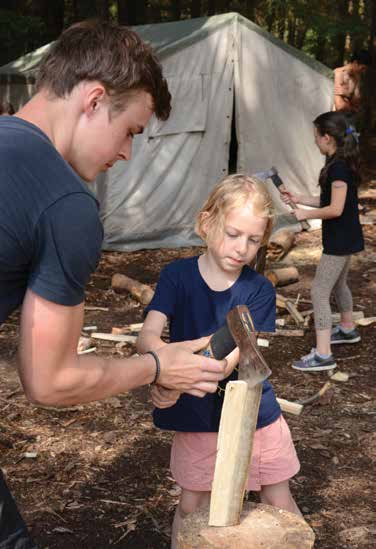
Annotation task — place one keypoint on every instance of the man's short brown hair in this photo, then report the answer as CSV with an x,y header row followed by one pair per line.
x,y
112,54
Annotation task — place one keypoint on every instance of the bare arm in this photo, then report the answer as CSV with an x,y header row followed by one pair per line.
x,y
313,201
149,338
53,374
335,208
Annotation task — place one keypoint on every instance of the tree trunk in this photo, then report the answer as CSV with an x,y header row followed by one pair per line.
x,y
291,30
300,36
370,108
123,12
102,9
340,40
52,14
211,7
223,6
175,10
321,48
250,7
196,8
131,13
84,9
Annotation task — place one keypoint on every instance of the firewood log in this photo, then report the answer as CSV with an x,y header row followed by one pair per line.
x,y
143,293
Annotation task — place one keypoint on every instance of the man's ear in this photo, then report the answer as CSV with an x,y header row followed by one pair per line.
x,y
94,99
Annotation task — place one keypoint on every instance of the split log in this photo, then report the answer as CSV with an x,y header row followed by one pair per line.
x,y
281,301
282,332
115,337
365,321
143,293
338,376
290,407
280,244
357,315
283,277
294,312
234,449
261,526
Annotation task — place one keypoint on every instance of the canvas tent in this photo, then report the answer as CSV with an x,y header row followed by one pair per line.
x,y
212,65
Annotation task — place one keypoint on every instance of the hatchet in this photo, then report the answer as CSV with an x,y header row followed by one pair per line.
x,y
239,332
278,183
238,419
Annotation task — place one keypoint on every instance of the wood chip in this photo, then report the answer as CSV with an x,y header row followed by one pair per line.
x,y
114,337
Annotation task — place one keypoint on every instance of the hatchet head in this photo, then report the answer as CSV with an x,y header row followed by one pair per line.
x,y
252,366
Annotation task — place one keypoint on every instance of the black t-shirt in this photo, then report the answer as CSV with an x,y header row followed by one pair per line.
x,y
341,235
50,232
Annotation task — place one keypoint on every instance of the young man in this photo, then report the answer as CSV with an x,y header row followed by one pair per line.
x,y
347,95
97,87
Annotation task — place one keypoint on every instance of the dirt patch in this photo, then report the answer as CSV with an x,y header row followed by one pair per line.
x,y
97,475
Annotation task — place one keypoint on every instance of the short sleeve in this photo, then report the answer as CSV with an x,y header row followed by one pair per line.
x,y
165,295
262,306
339,172
68,240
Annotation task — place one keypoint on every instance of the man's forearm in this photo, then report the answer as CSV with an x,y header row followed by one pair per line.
x,y
90,378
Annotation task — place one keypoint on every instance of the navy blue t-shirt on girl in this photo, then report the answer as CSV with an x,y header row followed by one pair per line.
x,y
195,310
341,235
50,232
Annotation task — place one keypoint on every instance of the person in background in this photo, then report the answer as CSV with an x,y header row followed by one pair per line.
x,y
347,80
342,236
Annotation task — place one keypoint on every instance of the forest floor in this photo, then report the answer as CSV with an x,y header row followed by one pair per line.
x,y
96,476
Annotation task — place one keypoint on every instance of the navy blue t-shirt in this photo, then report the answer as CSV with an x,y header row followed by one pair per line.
x,y
50,232
195,310
341,235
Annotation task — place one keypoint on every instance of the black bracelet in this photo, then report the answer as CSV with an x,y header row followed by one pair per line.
x,y
157,366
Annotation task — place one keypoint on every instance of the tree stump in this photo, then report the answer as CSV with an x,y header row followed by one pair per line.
x,y
261,527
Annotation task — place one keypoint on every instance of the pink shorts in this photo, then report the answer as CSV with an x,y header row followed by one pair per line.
x,y
273,458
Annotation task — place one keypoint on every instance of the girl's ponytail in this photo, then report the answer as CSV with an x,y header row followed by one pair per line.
x,y
339,125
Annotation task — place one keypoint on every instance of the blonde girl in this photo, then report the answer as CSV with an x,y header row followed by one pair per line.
x,y
195,294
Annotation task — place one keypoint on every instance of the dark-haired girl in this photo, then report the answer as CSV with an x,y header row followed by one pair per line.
x,y
342,235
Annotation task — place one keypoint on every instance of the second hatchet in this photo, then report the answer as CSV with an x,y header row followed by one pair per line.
x,y
278,183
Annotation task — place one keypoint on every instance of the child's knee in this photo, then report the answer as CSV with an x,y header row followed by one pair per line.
x,y
278,497
191,501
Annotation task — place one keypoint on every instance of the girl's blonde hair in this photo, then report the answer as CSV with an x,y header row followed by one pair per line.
x,y
233,191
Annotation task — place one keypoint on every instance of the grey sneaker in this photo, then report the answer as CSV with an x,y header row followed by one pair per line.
x,y
313,363
339,336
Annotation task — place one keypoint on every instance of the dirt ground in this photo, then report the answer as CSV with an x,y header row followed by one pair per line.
x,y
96,476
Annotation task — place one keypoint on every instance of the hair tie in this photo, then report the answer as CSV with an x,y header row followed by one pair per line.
x,y
351,131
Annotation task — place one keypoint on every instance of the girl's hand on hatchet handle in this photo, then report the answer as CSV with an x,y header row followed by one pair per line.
x,y
289,198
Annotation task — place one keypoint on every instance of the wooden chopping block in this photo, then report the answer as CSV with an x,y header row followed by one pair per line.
x,y
143,293
283,276
261,527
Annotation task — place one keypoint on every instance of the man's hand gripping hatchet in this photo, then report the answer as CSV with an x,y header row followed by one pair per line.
x,y
239,332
